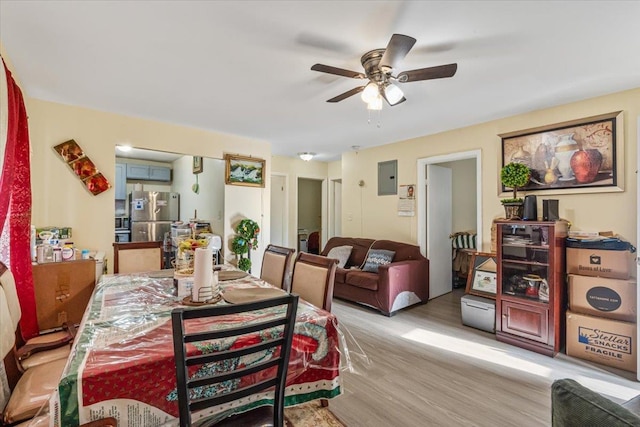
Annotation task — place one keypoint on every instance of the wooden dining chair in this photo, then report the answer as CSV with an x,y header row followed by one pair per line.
x,y
40,349
276,263
195,332
313,278
31,388
313,243
137,257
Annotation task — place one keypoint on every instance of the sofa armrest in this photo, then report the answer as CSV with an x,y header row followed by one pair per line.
x,y
399,276
574,405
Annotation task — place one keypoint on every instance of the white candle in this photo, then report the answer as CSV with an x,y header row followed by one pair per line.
x,y
202,275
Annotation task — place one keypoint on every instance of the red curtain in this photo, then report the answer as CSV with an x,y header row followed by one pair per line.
x,y
15,205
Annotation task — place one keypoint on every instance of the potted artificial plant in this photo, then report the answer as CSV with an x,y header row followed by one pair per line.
x,y
245,240
514,175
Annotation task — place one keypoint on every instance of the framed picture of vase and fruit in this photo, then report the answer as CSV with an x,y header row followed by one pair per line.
x,y
578,156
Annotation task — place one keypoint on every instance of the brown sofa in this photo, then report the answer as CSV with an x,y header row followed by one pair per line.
x,y
402,283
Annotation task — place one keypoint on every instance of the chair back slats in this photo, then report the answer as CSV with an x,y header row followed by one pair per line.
x,y
273,324
220,378
232,332
313,279
275,265
223,355
198,404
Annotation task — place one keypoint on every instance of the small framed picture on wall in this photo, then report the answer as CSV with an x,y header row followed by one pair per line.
x,y
197,164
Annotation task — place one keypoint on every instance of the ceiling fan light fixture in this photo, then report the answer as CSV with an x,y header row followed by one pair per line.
x,y
306,156
393,93
375,104
370,92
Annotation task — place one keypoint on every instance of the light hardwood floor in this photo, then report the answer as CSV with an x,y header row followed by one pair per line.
x,y
424,368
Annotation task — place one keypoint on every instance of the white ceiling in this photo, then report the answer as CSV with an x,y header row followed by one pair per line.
x,y
243,67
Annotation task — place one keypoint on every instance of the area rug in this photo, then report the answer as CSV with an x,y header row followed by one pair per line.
x,y
311,414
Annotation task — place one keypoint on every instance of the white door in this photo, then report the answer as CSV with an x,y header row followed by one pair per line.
x,y
278,228
638,239
337,208
439,212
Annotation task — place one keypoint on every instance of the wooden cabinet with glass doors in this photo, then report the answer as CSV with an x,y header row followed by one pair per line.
x,y
531,295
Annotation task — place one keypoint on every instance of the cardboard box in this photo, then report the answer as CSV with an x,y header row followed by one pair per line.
x,y
600,296
62,291
605,341
598,262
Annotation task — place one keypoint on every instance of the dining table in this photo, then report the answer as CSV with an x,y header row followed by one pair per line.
x,y
122,362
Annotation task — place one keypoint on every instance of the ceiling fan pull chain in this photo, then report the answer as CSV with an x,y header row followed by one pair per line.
x,y
379,121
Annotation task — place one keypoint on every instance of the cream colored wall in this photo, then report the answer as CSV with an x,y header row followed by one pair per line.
x,y
376,217
463,200
295,168
60,199
364,213
335,170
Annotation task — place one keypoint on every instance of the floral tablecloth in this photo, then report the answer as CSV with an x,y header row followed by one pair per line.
x,y
122,362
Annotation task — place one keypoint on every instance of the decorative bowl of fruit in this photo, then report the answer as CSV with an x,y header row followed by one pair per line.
x,y
186,250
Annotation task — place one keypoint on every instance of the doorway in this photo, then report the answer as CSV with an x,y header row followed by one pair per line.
x,y
310,214
279,209
433,237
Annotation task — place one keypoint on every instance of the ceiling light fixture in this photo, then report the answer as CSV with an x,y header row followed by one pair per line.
x,y
306,156
393,93
124,148
370,92
375,104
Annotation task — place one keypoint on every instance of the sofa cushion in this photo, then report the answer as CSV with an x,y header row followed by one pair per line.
x,y
341,253
376,258
362,279
358,253
341,275
404,251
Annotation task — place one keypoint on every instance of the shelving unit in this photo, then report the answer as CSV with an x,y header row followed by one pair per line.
x,y
531,295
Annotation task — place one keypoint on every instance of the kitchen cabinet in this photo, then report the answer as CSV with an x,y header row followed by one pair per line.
x,y
531,293
121,181
137,171
148,173
159,173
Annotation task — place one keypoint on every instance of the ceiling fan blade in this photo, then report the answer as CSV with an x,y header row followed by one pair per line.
x,y
337,71
439,72
396,50
347,94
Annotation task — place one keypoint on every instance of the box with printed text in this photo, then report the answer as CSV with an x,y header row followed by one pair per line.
x,y
599,262
601,296
600,340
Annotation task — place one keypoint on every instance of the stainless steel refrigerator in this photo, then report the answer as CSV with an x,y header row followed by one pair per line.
x,y
151,214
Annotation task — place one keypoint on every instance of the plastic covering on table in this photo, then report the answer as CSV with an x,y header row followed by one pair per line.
x,y
122,363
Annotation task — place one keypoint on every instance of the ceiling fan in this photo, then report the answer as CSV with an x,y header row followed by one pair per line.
x,y
379,67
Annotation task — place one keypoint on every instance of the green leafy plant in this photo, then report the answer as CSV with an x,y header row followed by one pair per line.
x,y
245,240
514,175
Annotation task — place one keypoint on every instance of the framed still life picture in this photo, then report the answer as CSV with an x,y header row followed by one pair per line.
x,y
242,170
578,156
